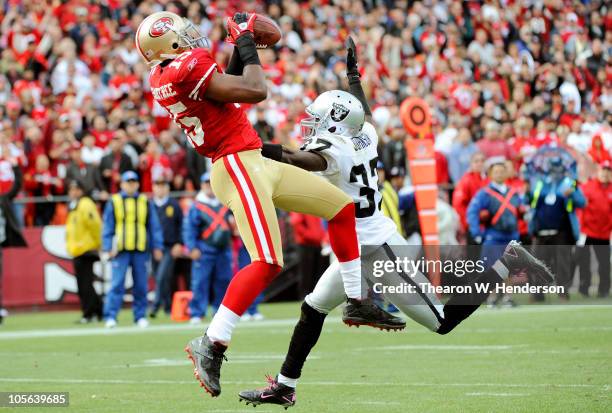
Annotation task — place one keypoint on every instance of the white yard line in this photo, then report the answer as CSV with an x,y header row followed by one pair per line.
x,y
498,394
97,331
238,358
306,383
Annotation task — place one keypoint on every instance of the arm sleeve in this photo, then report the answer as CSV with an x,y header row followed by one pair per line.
x,y
155,230
356,90
108,227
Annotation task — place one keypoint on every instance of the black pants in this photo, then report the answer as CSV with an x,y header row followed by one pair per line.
x,y
311,266
601,247
91,305
556,252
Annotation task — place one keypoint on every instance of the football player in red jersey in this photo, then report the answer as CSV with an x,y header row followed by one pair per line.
x,y
205,102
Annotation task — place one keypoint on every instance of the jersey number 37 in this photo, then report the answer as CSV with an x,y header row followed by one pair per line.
x,y
369,178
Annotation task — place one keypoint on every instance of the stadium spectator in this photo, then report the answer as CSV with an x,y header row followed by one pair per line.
x,y
390,199
131,221
40,181
554,224
10,231
460,154
596,225
598,152
153,165
171,219
493,143
492,214
309,235
177,157
115,163
207,231
467,187
90,153
88,176
448,220
83,240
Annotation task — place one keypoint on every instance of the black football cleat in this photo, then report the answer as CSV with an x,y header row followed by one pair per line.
x,y
518,260
275,393
207,358
366,313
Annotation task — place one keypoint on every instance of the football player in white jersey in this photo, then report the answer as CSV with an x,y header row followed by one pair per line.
x,y
342,146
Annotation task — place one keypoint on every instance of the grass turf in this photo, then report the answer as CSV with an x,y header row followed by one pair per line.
x,y
529,359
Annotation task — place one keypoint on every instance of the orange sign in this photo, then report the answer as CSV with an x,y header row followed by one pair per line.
x,y
416,117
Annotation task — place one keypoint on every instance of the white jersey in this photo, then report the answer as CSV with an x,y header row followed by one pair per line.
x,y
351,166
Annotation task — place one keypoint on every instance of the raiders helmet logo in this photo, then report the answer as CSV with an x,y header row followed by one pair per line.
x,y
160,26
339,112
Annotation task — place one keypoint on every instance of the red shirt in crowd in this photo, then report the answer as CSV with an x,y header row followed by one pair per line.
x,y
598,151
153,168
7,176
497,147
466,189
307,229
596,216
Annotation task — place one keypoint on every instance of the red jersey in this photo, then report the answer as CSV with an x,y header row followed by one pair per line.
x,y
214,129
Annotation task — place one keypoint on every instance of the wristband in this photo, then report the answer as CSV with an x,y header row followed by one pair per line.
x,y
248,50
272,151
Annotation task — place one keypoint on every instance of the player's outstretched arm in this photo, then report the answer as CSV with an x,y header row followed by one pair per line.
x,y
352,73
251,86
310,161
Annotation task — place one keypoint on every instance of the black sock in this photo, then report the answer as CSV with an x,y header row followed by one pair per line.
x,y
461,306
305,336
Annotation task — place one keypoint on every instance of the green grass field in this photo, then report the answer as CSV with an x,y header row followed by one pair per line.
x,y
529,359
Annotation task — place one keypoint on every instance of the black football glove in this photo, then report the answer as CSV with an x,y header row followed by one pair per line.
x,y
351,58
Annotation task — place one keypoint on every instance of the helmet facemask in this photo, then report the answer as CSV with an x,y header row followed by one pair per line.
x,y
310,125
190,36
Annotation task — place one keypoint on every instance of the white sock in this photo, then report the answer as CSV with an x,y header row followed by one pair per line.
x,y
501,270
351,277
287,381
222,324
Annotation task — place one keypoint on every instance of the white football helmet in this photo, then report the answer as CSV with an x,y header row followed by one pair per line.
x,y
334,111
165,35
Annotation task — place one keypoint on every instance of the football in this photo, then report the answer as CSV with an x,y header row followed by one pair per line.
x,y
267,33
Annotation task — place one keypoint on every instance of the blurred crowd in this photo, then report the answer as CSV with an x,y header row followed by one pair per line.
x,y
502,78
